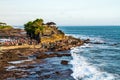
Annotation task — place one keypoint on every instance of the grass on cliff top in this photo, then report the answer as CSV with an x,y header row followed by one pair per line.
x,y
6,27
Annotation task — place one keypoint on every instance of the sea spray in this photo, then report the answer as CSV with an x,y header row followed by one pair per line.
x,y
83,70
102,53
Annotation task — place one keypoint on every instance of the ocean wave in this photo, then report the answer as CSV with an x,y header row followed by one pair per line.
x,y
83,70
92,38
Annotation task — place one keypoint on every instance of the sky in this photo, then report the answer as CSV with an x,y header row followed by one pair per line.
x,y
62,12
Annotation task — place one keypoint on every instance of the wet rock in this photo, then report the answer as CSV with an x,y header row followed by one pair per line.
x,y
64,62
29,67
57,72
44,55
52,55
87,41
19,74
9,75
47,76
26,67
60,55
9,56
114,44
98,43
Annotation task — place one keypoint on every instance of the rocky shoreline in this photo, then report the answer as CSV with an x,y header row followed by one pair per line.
x,y
17,70
20,54
38,55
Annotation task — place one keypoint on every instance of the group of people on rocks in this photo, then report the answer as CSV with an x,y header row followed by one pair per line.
x,y
17,41
64,44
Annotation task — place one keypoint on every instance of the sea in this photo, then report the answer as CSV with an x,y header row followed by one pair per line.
x,y
97,60
100,58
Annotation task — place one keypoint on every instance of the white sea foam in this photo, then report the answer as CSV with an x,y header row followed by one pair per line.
x,y
20,61
10,67
87,46
83,70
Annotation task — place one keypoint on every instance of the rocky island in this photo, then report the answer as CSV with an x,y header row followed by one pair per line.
x,y
22,51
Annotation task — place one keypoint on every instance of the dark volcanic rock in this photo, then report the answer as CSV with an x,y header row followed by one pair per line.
x,y
87,41
57,72
44,55
64,62
65,54
47,76
26,67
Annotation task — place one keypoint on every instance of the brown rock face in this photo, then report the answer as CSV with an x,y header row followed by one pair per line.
x,y
44,55
12,33
8,56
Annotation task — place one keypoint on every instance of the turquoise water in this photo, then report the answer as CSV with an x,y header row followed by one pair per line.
x,y
99,59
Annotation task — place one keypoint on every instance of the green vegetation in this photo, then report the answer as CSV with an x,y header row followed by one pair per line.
x,y
41,32
35,29
5,26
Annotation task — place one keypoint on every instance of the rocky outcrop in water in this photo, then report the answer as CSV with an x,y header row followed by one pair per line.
x,y
64,62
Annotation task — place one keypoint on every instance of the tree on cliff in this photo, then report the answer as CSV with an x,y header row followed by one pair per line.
x,y
34,29
38,24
